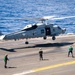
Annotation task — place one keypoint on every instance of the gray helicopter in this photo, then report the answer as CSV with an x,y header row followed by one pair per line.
x,y
41,29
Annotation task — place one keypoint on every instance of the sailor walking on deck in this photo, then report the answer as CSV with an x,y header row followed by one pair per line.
x,y
5,61
70,51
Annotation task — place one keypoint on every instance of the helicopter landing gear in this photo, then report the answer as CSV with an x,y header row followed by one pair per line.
x,y
26,42
53,38
44,38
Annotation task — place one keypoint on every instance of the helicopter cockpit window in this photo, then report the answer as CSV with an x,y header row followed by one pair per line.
x,y
56,27
31,28
59,27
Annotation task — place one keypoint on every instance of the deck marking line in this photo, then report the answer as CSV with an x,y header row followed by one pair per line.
x,y
24,73
54,66
45,68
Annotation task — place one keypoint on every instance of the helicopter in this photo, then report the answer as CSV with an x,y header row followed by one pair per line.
x,y
40,29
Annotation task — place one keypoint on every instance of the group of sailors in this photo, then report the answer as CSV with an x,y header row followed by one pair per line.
x,y
70,51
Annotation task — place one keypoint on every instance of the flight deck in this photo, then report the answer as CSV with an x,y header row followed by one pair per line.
x,y
24,58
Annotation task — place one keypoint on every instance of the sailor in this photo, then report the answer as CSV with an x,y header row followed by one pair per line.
x,y
5,61
70,51
41,54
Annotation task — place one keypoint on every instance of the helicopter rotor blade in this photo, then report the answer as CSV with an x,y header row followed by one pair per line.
x,y
15,19
40,19
61,18
53,18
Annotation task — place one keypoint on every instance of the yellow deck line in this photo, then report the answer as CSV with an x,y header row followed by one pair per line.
x,y
45,68
54,66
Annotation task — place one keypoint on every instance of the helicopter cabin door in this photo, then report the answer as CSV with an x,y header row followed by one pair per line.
x,y
48,31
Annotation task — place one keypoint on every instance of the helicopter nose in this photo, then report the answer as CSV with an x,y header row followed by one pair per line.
x,y
63,30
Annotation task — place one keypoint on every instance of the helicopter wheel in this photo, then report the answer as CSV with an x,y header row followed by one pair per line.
x,y
44,38
26,42
53,38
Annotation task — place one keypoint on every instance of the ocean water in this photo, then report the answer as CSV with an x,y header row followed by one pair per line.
x,y
15,9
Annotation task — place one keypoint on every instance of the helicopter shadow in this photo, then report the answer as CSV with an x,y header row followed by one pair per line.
x,y
9,50
48,45
51,45
40,45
